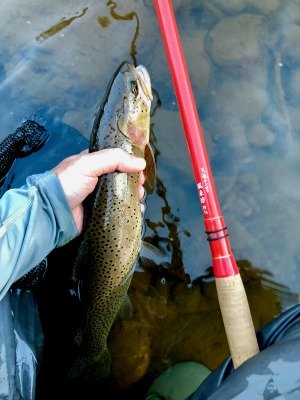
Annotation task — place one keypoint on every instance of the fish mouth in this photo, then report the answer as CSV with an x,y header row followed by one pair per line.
x,y
144,80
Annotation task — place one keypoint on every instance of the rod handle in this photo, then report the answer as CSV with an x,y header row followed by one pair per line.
x,y
237,319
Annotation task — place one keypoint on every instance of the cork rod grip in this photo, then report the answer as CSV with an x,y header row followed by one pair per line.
x,y
237,319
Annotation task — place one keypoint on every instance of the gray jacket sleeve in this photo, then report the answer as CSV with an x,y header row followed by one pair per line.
x,y
34,219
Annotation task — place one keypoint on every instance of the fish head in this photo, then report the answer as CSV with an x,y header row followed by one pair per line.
x,y
133,116
124,116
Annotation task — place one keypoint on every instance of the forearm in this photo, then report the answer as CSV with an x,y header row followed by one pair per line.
x,y
35,219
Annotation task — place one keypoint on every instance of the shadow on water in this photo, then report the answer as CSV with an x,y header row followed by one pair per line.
x,y
243,60
127,17
168,223
59,26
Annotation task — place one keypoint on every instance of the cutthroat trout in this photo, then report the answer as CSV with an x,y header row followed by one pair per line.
x,y
113,220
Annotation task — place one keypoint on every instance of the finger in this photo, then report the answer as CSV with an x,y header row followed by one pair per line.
x,y
109,160
141,192
141,189
142,178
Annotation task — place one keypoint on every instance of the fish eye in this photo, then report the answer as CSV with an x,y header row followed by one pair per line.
x,y
134,88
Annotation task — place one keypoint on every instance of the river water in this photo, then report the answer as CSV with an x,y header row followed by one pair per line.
x,y
244,62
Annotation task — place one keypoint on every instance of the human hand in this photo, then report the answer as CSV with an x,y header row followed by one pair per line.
x,y
79,174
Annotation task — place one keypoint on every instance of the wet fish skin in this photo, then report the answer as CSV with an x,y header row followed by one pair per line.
x,y
26,139
113,224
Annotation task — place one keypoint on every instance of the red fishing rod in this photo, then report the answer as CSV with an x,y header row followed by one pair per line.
x,y
231,292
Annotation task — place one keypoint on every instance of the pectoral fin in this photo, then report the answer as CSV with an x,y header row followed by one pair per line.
x,y
150,257
79,271
126,309
150,170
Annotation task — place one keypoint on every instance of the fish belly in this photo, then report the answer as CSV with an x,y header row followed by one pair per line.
x,y
112,240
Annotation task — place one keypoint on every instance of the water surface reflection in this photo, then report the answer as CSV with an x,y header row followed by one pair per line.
x,y
243,58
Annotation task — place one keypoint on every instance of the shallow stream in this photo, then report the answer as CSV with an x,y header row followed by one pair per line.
x,y
244,62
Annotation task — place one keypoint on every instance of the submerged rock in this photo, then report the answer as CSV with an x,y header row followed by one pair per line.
x,y
178,382
236,40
